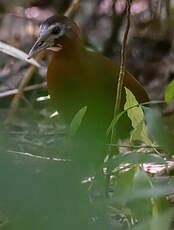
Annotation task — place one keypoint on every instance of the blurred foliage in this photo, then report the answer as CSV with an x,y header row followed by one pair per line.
x,y
169,94
43,185
77,120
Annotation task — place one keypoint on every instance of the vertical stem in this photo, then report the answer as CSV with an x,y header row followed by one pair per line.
x,y
119,89
122,67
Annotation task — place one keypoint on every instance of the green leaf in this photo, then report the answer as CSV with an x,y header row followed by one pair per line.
x,y
158,129
77,120
114,122
161,222
141,208
141,179
169,94
136,116
116,119
141,191
140,133
138,158
124,181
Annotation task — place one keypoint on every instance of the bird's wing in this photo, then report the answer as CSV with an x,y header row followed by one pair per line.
x,y
107,73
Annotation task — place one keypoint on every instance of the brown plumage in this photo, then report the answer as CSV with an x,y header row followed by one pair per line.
x,y
77,77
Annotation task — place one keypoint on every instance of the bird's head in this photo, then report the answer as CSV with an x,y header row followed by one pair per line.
x,y
53,32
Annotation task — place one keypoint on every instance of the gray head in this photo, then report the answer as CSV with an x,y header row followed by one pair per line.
x,y
51,32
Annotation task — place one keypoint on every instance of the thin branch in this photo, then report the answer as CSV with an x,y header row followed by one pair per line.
x,y
17,98
28,88
119,90
38,156
122,67
72,8
134,146
123,62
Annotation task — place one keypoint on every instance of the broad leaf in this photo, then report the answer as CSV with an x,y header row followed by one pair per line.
x,y
136,116
77,120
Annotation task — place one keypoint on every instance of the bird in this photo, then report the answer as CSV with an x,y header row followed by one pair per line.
x,y
78,77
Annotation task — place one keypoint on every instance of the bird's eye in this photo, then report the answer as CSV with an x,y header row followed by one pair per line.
x,y
56,30
40,43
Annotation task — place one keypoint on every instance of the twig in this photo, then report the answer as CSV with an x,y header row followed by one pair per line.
x,y
28,88
72,8
122,68
16,100
134,146
119,90
37,156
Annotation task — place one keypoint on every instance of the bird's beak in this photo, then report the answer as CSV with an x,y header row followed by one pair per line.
x,y
40,45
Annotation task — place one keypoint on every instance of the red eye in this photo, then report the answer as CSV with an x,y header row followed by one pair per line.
x,y
56,30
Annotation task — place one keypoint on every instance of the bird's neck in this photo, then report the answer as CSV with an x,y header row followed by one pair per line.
x,y
71,48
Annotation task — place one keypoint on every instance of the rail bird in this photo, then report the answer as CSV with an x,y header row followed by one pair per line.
x,y
77,77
